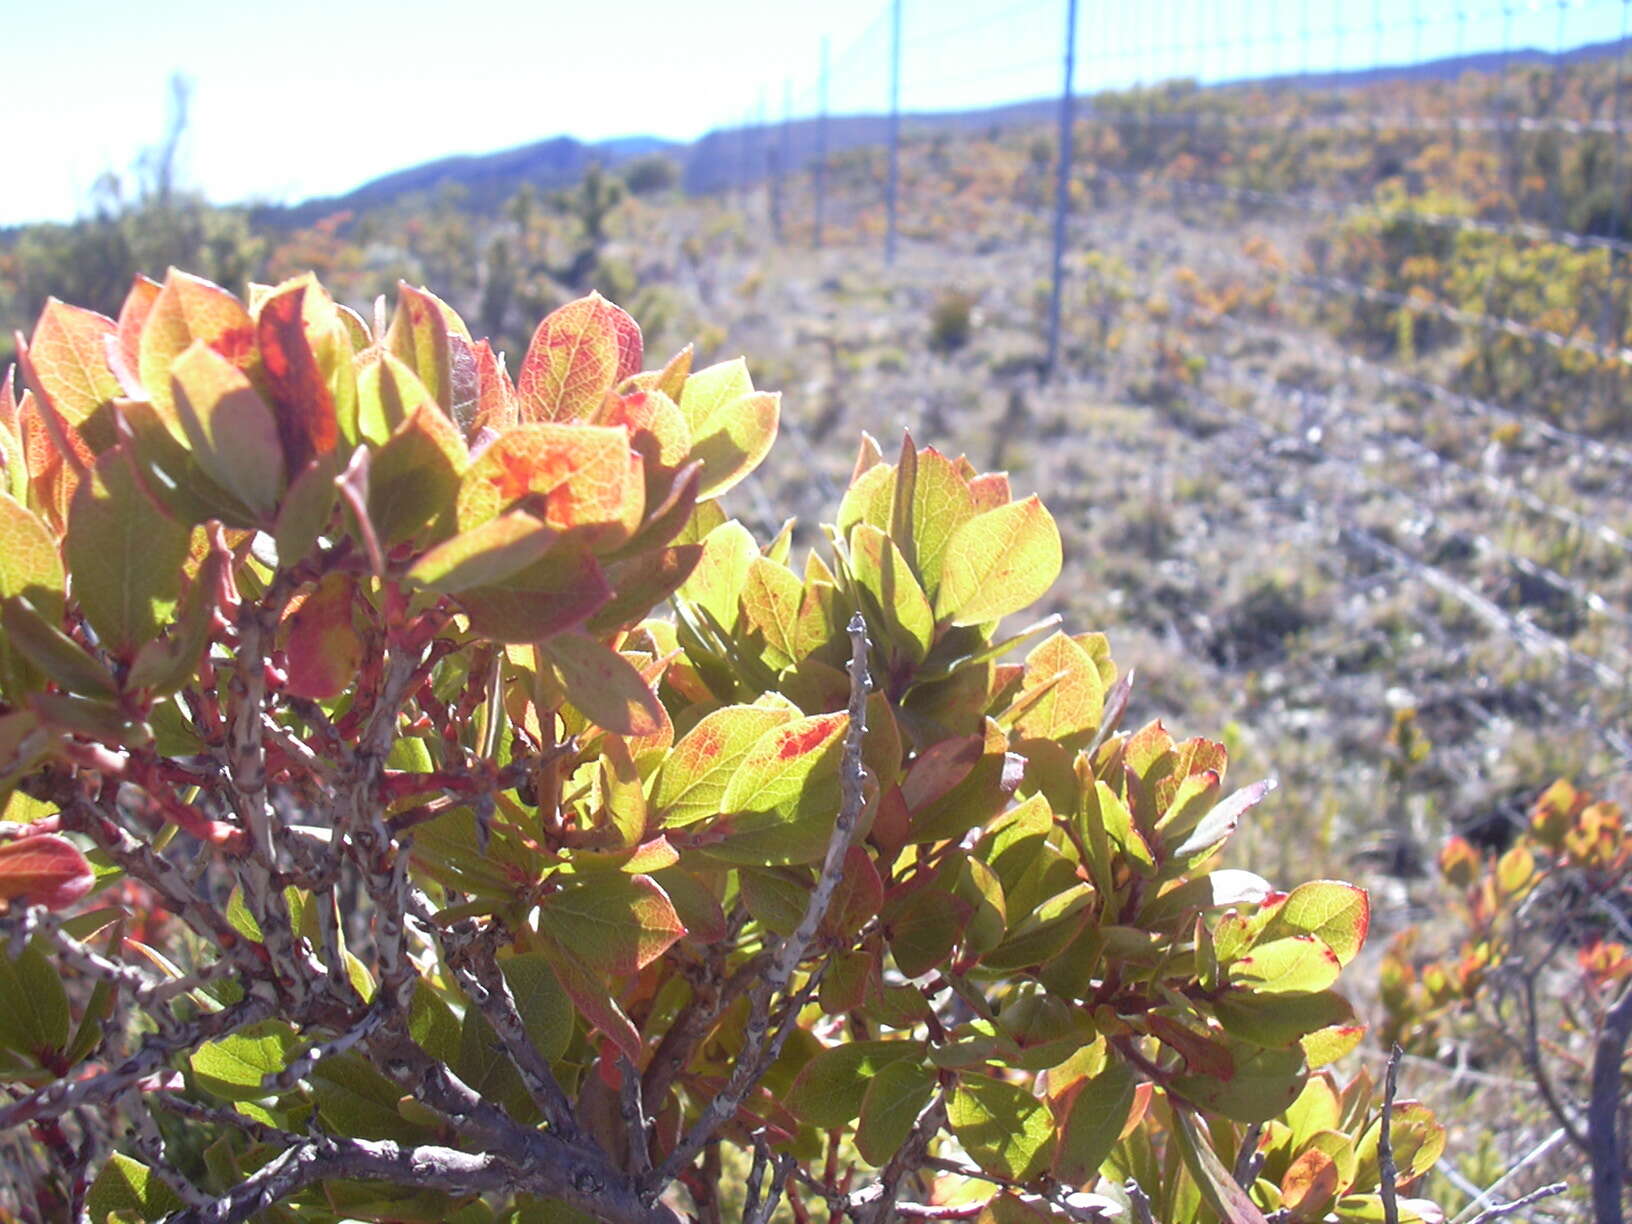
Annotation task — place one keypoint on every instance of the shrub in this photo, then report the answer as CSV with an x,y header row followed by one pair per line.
x,y
1539,969
951,320
370,851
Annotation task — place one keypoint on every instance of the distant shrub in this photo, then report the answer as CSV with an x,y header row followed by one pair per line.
x,y
951,321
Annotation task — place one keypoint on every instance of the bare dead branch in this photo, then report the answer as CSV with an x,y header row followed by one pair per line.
x,y
1387,1173
1518,1204
1604,1108
1140,1200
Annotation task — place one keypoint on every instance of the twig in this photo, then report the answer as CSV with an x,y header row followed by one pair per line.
x,y
1387,1173
633,1109
906,1161
1497,1212
1481,1198
62,1095
762,1046
151,1145
1249,1159
428,1167
1140,1200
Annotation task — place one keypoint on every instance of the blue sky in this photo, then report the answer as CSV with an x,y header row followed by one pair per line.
x,y
302,97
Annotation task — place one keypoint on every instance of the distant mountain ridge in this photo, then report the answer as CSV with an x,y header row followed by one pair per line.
x,y
726,158
488,179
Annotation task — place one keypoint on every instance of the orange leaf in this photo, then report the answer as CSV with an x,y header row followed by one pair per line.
x,y
495,394
69,361
573,476
578,354
188,308
45,869
323,648
307,424
132,318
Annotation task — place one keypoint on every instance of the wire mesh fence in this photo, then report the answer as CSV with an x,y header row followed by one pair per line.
x,y
1386,244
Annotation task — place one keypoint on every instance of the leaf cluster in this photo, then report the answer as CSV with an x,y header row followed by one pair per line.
x,y
373,852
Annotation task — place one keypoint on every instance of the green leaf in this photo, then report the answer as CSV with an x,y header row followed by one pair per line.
x,y
781,802
922,929
559,591
894,1099
414,477
732,425
485,555
358,1101
306,509
721,577
419,336
771,600
1005,1130
63,660
1093,1112
884,575
828,1092
1269,1019
775,899
1338,914
690,784
235,1067
1297,964
170,471
1070,691
162,666
432,1024
33,1003
998,562
1219,824
545,1009
941,503
125,556
1264,1084
29,563
591,997
128,1189
620,923
1218,1186
232,431
388,393
604,685
1416,1136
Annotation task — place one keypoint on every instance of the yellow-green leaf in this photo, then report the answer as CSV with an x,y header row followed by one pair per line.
x,y
781,802
828,1092
230,428
998,562
732,425
691,783
125,555
894,1099
1339,914
1005,1130
604,685
620,923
